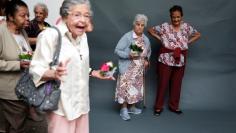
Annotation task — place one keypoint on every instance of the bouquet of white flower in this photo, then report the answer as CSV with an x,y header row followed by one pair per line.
x,y
135,49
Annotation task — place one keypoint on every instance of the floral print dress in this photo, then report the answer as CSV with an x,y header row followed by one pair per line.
x,y
130,84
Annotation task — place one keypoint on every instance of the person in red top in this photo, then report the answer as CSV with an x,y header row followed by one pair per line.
x,y
175,38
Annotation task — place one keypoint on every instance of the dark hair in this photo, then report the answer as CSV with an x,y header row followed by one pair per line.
x,y
12,7
2,7
176,8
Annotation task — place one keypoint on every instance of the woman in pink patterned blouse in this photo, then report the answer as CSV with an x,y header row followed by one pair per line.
x,y
175,38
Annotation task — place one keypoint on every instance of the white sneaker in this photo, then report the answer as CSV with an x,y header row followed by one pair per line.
x,y
124,114
134,110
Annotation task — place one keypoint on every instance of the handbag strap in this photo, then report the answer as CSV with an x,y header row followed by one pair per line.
x,y
58,48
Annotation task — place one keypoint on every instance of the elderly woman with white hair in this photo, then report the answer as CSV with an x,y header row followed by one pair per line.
x,y
38,24
130,83
73,69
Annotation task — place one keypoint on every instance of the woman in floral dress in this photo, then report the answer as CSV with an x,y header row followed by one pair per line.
x,y
175,38
130,83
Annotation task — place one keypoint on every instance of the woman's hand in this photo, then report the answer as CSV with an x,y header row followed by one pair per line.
x,y
146,64
97,74
61,70
194,37
133,57
154,33
24,64
56,73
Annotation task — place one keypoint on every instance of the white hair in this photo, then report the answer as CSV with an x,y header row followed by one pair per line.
x,y
140,17
65,7
42,5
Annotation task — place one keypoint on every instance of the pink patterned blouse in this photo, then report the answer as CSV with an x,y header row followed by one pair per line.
x,y
171,40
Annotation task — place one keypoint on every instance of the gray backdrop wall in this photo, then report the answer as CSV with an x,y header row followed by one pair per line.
x,y
210,76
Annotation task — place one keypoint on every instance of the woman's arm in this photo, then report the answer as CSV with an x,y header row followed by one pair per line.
x,y
154,33
149,51
10,65
56,73
194,37
39,67
121,48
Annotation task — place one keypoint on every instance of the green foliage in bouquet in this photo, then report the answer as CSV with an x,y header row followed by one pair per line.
x,y
25,56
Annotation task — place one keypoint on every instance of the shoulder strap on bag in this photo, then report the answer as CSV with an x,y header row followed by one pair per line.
x,y
58,49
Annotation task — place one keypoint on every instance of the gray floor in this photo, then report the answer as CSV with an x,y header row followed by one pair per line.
x,y
104,117
108,121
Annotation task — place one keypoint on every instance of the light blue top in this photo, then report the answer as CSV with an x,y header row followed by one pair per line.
x,y
123,50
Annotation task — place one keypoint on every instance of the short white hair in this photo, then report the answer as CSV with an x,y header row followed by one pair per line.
x,y
140,17
42,5
65,7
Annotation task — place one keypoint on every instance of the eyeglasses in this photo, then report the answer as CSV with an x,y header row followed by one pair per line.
x,y
79,15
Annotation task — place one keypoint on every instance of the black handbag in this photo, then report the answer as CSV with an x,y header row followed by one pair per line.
x,y
46,96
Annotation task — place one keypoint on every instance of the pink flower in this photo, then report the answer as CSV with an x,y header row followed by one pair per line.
x,y
105,67
30,53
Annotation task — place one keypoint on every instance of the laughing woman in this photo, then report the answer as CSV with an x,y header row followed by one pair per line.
x,y
73,70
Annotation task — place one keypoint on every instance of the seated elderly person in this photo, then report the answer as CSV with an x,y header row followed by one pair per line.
x,y
37,24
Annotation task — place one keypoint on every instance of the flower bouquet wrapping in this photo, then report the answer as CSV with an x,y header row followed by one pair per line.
x,y
26,56
136,49
108,69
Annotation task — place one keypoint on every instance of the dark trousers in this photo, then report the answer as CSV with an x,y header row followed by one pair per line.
x,y
2,121
15,113
166,75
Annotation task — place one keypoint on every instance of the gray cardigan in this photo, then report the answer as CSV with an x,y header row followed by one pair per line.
x,y
123,50
9,63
